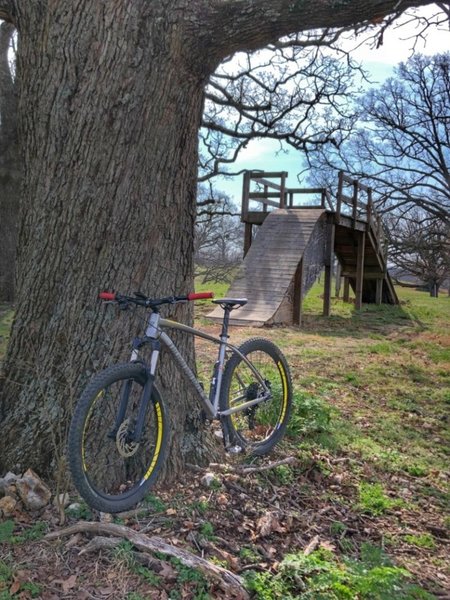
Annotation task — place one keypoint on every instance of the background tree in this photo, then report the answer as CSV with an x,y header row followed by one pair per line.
x,y
401,142
401,148
420,246
110,105
10,167
218,237
297,91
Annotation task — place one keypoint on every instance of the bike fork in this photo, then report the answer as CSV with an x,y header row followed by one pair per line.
x,y
136,434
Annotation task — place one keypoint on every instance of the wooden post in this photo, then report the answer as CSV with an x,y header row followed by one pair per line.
x,y
338,280
247,237
328,268
355,202
346,295
369,207
245,195
379,291
283,190
298,295
339,195
360,269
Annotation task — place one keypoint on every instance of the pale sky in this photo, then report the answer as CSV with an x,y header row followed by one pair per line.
x,y
379,62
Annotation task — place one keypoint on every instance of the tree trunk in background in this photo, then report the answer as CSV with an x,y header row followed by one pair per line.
x,y
110,103
10,169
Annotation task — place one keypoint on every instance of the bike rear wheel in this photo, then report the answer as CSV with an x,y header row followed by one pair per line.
x,y
112,472
256,429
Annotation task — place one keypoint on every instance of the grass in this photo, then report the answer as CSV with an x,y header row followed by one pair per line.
x,y
6,318
374,386
321,575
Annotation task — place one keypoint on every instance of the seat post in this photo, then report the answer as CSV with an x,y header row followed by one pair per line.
x,y
225,322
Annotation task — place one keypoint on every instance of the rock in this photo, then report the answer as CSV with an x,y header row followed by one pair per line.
x,y
106,517
32,491
210,480
74,507
7,506
7,483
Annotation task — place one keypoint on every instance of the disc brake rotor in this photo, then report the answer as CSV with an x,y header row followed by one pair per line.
x,y
125,447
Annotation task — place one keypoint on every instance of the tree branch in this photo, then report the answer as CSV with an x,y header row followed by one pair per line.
x,y
232,583
266,21
6,11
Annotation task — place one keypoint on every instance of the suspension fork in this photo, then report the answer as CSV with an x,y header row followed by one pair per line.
x,y
150,338
136,435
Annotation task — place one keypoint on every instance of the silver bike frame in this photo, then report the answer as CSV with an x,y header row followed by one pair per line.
x,y
154,331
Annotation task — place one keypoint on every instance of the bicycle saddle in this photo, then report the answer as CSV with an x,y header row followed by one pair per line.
x,y
230,303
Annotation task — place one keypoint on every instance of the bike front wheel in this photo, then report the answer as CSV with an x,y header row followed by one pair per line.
x,y
258,428
110,470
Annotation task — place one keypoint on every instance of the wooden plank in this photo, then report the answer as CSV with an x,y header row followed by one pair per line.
x,y
263,195
263,175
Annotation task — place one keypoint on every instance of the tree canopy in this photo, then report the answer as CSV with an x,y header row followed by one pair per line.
x,y
401,141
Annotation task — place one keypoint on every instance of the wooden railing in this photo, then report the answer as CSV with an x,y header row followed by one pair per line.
x,y
350,203
353,203
271,194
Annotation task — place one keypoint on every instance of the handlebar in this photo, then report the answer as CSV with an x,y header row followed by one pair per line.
x,y
142,300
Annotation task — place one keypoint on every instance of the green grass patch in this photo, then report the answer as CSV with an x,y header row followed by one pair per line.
x,y
322,576
422,540
6,319
373,500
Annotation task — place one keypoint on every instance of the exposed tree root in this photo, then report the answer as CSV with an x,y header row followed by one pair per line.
x,y
232,584
241,470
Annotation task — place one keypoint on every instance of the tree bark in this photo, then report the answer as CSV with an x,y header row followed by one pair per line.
x,y
110,104
10,169
109,112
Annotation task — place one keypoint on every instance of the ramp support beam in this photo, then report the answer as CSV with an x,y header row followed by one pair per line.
x,y
328,269
360,269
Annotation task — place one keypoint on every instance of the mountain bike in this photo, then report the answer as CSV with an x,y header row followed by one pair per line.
x,y
118,436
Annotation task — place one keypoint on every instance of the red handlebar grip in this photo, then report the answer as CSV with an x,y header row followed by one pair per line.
x,y
107,296
200,295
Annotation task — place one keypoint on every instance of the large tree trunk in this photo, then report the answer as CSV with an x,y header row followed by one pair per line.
x,y
110,105
10,169
109,113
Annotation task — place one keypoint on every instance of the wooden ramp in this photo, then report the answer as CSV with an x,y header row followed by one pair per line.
x,y
287,254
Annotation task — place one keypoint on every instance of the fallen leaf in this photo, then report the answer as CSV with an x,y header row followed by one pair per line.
x,y
328,546
313,545
15,587
168,572
269,523
67,584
